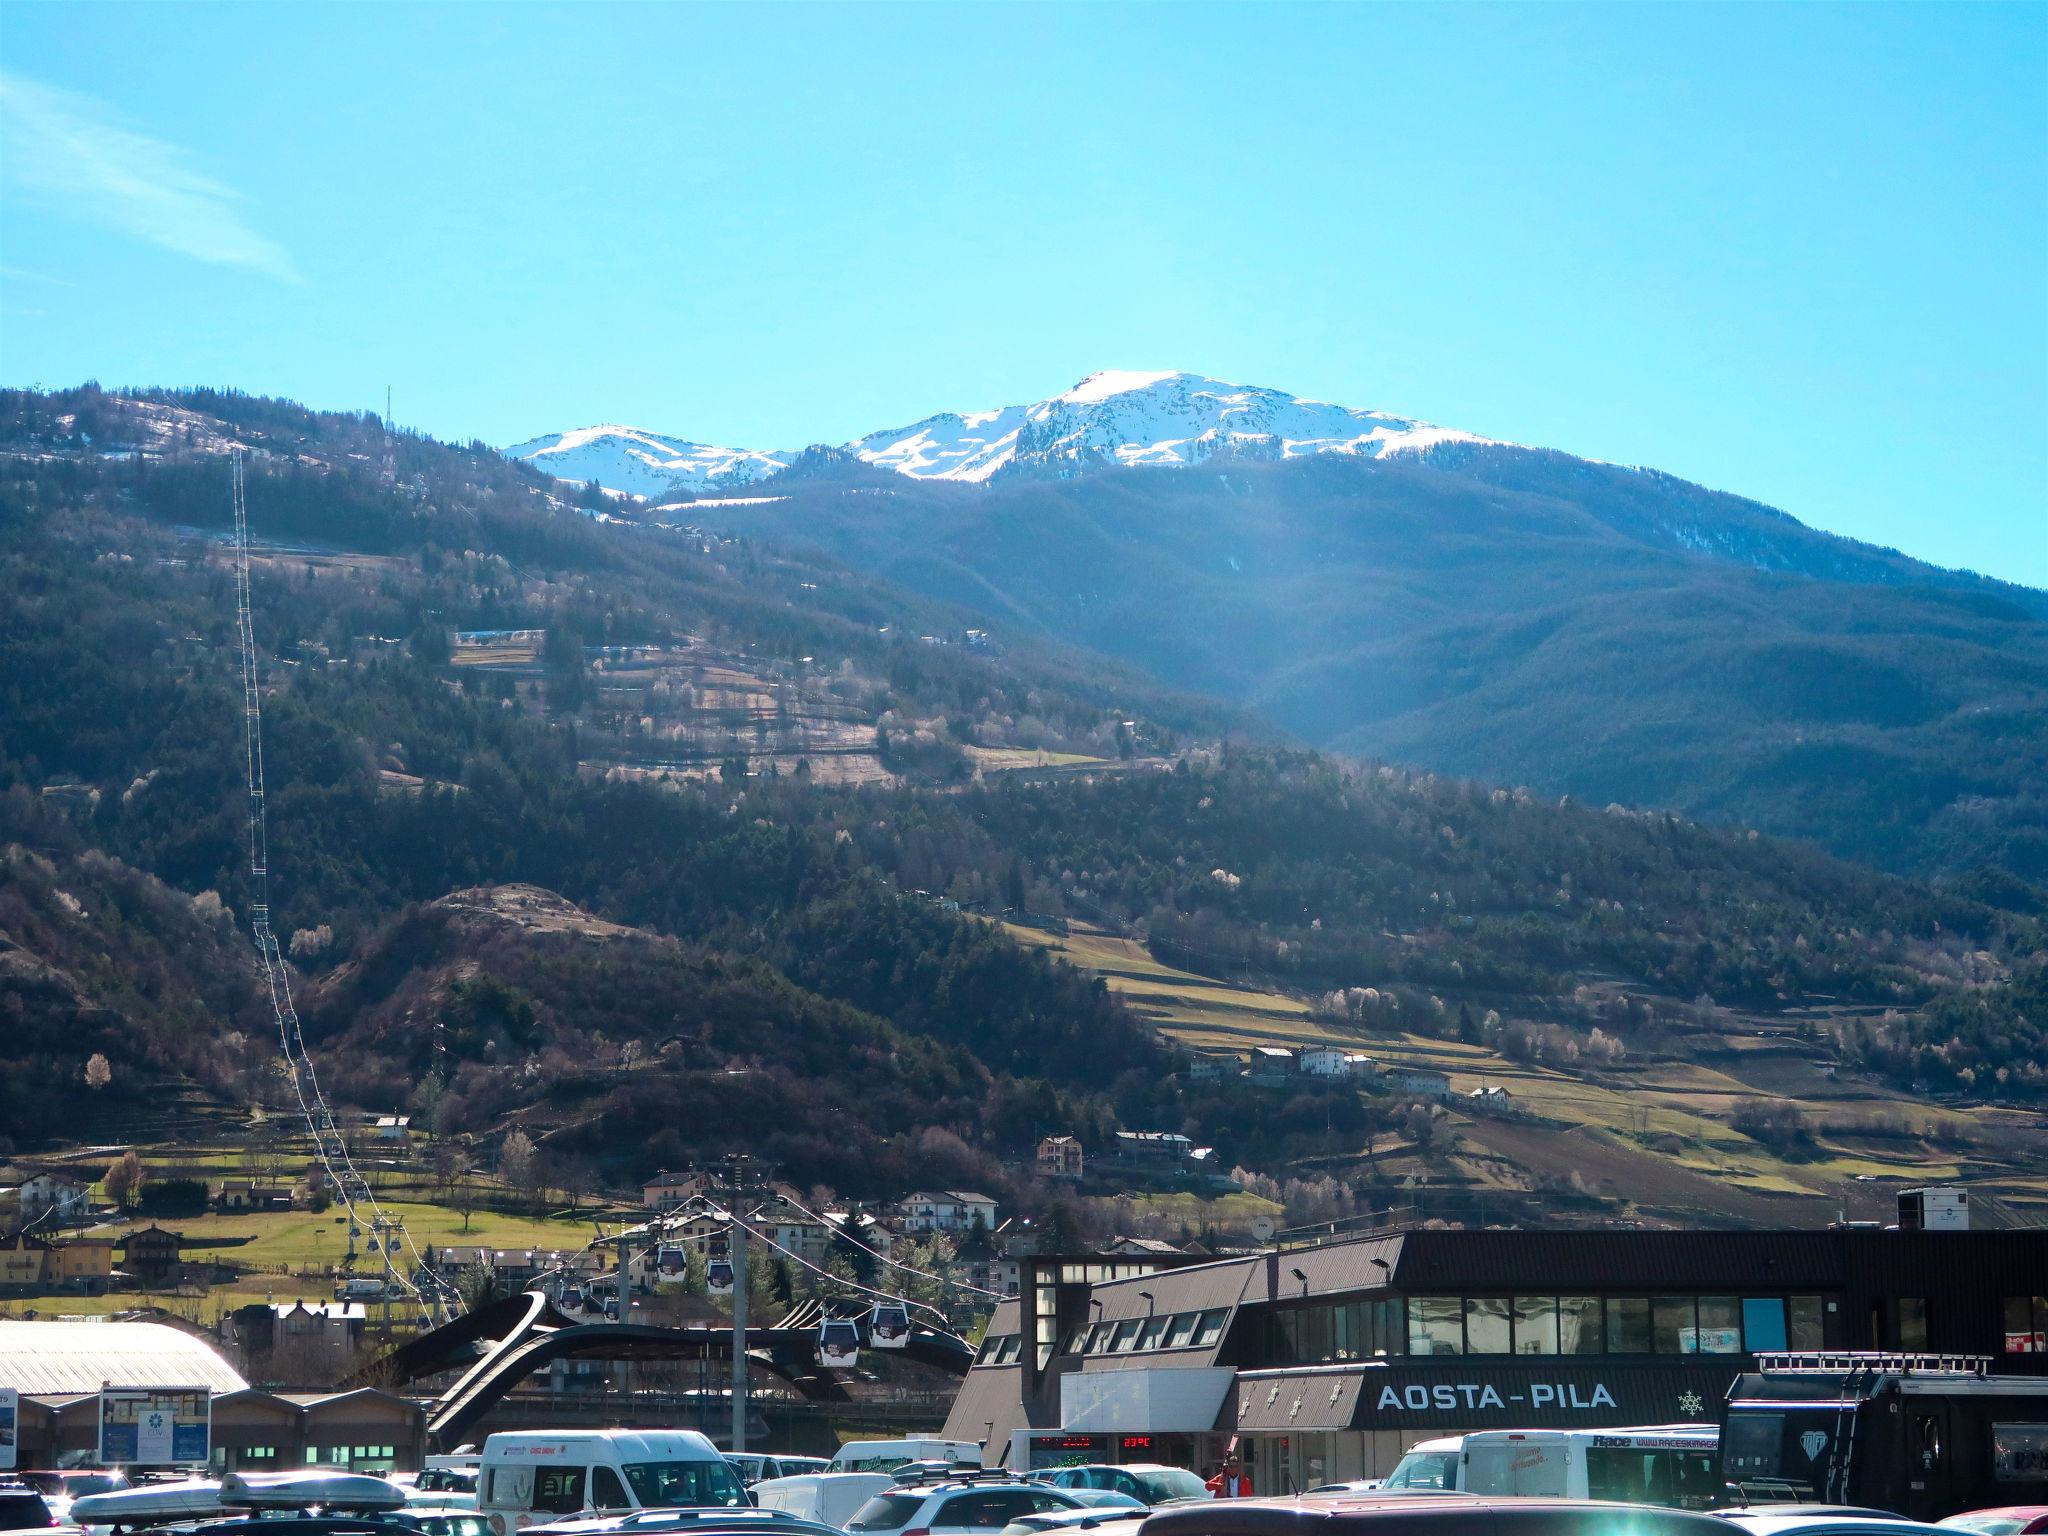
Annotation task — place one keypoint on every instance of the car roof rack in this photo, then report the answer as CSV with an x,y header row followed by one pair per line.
x,y
1853,1361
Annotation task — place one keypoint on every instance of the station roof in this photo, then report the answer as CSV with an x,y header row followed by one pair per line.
x,y
65,1357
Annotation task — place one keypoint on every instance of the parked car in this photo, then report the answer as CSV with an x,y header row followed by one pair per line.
x,y
830,1498
736,1521
441,1520
1103,1522
60,1488
22,1508
2012,1520
972,1506
1421,1515
1149,1482
755,1466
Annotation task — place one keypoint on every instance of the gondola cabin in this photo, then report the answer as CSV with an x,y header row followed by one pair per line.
x,y
838,1343
889,1327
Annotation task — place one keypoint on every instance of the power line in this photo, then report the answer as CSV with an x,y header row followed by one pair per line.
x,y
329,1145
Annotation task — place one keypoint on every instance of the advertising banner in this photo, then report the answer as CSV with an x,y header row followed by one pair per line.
x,y
10,1426
155,1426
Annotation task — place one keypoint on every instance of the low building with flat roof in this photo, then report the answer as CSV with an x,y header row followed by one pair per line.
x,y
1326,1363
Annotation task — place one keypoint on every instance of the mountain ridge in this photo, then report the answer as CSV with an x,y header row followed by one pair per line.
x,y
1120,417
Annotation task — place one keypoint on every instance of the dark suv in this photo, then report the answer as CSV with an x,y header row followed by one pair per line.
x,y
22,1508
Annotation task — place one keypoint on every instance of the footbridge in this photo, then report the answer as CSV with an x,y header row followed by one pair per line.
x,y
498,1346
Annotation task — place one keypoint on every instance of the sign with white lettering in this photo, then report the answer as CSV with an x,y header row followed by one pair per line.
x,y
1478,1393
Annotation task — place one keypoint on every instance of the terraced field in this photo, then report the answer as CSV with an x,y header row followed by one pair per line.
x,y
1652,1131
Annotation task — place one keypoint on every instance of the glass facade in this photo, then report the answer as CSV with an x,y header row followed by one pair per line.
x,y
1612,1325
1327,1335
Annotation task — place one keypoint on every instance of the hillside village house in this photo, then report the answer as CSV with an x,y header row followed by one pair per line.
x,y
58,1196
1153,1149
1059,1157
252,1195
1424,1082
1273,1066
396,1128
1334,1061
665,1191
947,1210
82,1264
332,1329
150,1255
22,1260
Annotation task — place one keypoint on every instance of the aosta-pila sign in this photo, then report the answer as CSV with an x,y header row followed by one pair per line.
x,y
1475,1394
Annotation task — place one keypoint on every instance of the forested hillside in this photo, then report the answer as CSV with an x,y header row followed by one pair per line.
x,y
1524,618
554,841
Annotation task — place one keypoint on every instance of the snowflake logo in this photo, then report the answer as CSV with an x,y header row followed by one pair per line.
x,y
1689,1403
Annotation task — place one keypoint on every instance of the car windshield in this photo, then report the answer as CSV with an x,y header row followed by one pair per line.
x,y
1425,1469
668,1484
885,1512
1172,1483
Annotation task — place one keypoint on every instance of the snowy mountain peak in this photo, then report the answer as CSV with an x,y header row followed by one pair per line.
x,y
1117,417
645,463
1114,381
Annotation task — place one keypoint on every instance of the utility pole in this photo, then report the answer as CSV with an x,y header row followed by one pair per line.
x,y
738,1245
739,1181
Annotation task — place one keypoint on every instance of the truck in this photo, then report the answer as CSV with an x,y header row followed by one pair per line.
x,y
1924,1435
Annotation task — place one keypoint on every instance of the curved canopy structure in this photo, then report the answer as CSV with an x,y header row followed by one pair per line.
x,y
505,1342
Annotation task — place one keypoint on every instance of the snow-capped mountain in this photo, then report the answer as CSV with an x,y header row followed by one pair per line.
x,y
644,463
1112,418
1171,419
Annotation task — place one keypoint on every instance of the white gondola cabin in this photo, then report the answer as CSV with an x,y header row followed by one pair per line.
x,y
889,1326
838,1342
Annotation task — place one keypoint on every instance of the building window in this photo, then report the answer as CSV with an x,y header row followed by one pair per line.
x,y
1912,1322
1487,1331
1807,1329
1535,1325
1153,1331
1436,1325
1578,1325
1126,1334
1720,1327
2026,1325
1209,1328
1763,1323
1674,1325
1628,1325
1181,1331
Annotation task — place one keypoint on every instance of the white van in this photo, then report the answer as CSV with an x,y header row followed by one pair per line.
x,y
888,1455
531,1477
1435,1465
1677,1466
830,1497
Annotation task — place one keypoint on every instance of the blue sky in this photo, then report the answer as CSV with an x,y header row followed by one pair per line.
x,y
1797,252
